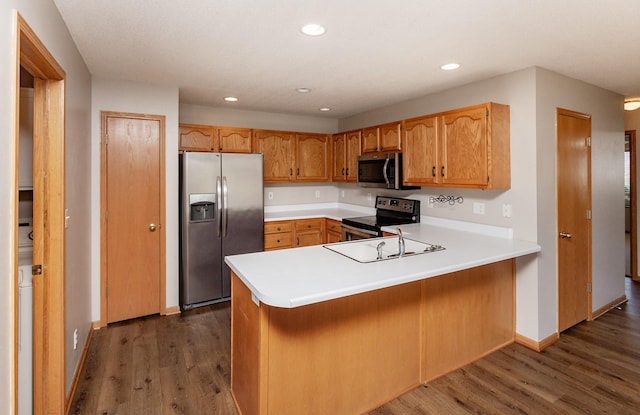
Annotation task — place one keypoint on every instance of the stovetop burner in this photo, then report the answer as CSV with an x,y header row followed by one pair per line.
x,y
390,211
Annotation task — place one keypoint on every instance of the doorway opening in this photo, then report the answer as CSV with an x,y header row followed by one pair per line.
x,y
48,221
630,193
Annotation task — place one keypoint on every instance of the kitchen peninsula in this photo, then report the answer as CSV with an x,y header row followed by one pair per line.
x,y
316,332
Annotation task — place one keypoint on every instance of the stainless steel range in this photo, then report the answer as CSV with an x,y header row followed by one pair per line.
x,y
390,211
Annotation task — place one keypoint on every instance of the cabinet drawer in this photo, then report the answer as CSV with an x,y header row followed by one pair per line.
x,y
308,224
274,227
334,226
278,240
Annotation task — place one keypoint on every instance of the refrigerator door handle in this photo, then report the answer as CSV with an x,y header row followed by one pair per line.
x,y
225,200
218,202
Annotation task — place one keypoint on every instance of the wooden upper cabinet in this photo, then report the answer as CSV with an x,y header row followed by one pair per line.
x,y
370,140
313,158
197,137
278,149
475,147
339,159
346,149
234,140
420,163
353,152
384,137
389,137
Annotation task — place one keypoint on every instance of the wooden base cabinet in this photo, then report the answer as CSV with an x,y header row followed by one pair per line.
x,y
353,354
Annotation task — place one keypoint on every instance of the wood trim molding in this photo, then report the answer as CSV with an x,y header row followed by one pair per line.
x,y
172,310
607,307
537,346
634,205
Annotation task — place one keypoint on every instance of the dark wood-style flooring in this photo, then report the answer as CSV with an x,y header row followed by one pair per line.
x,y
180,365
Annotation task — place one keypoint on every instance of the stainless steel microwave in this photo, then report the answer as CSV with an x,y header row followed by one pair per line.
x,y
382,170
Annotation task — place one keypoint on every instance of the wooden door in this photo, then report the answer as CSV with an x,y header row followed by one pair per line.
x,y
574,212
390,137
339,168
312,158
353,152
278,149
464,147
133,168
420,156
234,140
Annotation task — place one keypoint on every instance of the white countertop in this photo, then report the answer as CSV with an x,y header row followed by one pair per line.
x,y
299,276
335,211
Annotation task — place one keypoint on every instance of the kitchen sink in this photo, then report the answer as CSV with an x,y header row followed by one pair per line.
x,y
366,250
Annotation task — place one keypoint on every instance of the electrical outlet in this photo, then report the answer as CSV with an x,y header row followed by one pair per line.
x,y
270,195
342,193
369,196
506,210
478,208
75,339
317,194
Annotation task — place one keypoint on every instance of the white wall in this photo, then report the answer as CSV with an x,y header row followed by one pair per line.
x,y
122,96
607,181
632,122
229,117
44,19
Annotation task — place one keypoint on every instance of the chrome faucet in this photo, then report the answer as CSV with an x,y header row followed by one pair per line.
x,y
379,248
400,243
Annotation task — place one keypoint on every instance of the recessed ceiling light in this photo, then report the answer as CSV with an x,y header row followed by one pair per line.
x,y
303,90
313,29
450,66
325,109
230,99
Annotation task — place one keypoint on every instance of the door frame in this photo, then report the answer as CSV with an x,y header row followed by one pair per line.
x,y
634,203
570,113
103,209
48,220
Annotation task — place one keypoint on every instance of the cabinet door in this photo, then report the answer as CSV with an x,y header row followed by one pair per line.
x,y
234,140
278,149
370,140
312,158
334,231
464,147
197,137
339,169
420,155
390,137
353,152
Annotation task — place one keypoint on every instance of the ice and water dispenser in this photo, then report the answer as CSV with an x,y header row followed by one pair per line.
x,y
202,207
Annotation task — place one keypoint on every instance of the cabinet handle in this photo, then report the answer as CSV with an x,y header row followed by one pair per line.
x,y
278,240
297,241
278,228
442,171
290,172
298,171
343,171
564,235
347,171
433,171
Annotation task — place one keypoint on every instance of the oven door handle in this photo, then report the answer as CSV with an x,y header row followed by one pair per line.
x,y
360,230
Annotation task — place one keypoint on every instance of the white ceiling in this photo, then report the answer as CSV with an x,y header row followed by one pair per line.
x,y
374,52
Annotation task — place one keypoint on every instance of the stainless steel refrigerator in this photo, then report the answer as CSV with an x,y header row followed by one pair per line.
x,y
221,208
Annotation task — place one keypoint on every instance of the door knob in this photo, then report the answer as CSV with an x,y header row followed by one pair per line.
x,y
565,235
152,227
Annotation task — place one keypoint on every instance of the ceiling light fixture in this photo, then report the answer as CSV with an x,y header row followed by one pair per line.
x,y
631,105
450,66
231,99
313,29
303,90
325,109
